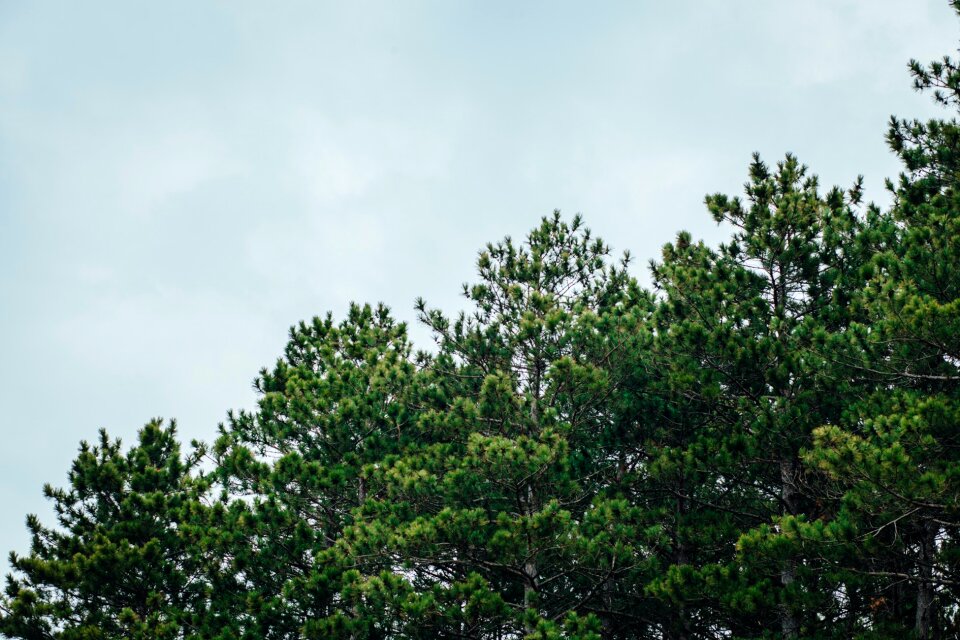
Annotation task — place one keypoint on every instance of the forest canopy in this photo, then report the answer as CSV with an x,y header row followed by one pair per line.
x,y
765,444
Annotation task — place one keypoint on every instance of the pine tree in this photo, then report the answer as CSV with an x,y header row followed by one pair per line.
x,y
333,403
896,461
500,500
736,328
123,560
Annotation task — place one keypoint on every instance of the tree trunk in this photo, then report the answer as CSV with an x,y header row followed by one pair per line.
x,y
530,566
925,608
788,471
681,625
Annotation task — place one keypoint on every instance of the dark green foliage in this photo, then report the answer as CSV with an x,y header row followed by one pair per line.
x,y
764,446
122,562
507,485
336,402
736,331
894,460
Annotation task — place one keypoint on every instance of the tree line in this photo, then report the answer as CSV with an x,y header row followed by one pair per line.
x,y
765,444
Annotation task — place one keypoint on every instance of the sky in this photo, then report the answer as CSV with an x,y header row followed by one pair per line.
x,y
182,181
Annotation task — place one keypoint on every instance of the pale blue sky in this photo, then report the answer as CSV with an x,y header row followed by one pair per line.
x,y
181,181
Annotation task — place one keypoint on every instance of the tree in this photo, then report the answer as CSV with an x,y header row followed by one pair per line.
x,y
123,560
735,331
896,461
500,499
293,469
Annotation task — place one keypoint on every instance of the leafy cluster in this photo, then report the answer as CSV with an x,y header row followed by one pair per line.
x,y
764,445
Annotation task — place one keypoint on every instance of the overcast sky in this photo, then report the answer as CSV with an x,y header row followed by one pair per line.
x,y
182,181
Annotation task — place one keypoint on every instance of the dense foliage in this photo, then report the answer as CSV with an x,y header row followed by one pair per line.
x,y
765,445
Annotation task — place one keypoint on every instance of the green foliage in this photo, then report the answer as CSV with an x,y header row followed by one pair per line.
x,y
124,559
335,403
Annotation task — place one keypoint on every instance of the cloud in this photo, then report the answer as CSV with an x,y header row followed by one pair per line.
x,y
155,165
177,192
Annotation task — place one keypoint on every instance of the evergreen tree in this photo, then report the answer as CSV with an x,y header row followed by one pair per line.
x,y
123,560
500,499
896,460
736,327
333,403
